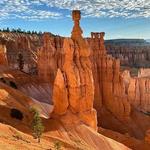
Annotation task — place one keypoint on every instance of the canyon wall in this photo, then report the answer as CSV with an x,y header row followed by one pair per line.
x,y
130,55
143,72
24,44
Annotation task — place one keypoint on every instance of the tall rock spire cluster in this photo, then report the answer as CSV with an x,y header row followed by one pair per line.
x,y
82,74
109,86
73,91
72,64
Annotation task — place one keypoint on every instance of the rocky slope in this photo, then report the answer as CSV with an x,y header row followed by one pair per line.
x,y
19,136
76,138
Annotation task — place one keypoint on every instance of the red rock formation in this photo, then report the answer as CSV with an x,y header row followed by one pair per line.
x,y
147,136
72,59
75,92
3,55
25,44
46,60
143,72
138,90
109,91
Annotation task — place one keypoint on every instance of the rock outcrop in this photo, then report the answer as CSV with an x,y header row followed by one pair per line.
x,y
46,60
147,136
143,72
3,55
73,91
138,90
109,87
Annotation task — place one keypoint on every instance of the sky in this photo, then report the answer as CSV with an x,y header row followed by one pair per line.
x,y
117,18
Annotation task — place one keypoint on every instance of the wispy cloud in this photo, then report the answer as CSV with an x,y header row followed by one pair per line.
x,y
45,9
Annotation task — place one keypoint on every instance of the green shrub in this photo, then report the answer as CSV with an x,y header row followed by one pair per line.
x,y
37,125
57,145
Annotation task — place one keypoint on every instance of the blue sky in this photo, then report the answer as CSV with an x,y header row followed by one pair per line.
x,y
117,18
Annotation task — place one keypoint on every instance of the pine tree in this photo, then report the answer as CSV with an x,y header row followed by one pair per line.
x,y
20,61
36,125
7,30
40,33
28,32
19,30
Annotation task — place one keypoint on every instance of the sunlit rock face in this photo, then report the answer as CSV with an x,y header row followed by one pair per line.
x,y
3,55
75,92
144,72
147,136
109,88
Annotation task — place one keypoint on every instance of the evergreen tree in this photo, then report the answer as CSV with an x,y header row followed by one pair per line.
x,y
28,32
40,33
7,30
33,32
13,30
19,30
36,125
20,61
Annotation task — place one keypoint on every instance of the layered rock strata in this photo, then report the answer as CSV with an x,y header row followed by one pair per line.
x,y
130,55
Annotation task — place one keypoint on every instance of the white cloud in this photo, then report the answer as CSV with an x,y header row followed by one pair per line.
x,y
33,10
25,9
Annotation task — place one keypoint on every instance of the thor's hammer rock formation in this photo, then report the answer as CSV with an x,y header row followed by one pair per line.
x,y
73,91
